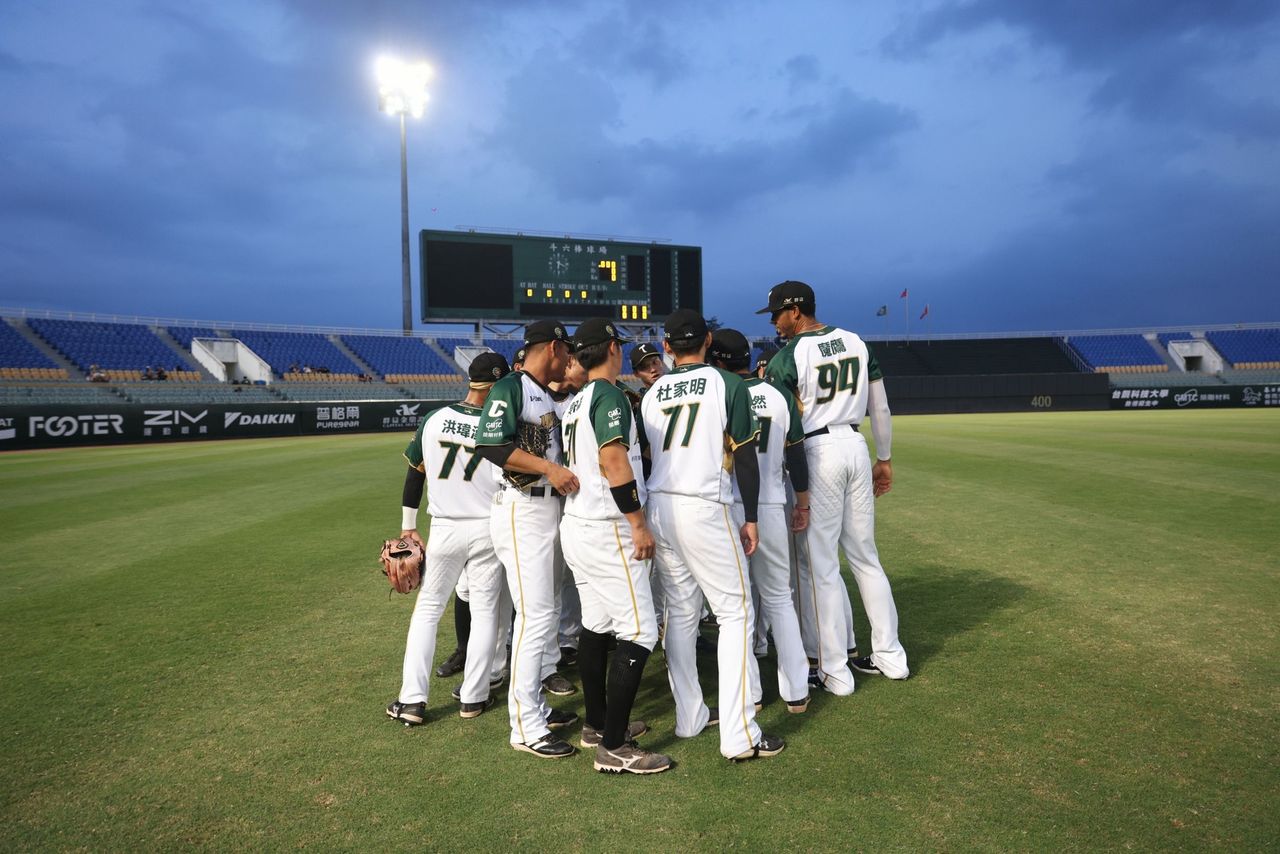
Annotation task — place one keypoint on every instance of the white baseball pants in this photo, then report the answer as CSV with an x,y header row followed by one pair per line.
x,y
698,549
524,532
842,517
453,544
613,587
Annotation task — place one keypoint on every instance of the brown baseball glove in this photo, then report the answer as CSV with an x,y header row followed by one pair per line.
x,y
402,563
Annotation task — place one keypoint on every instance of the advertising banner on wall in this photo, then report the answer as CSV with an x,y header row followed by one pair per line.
x,y
1196,397
35,426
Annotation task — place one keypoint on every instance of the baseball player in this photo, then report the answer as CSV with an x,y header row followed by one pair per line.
x,y
460,490
564,651
838,383
700,430
607,545
781,441
647,363
519,432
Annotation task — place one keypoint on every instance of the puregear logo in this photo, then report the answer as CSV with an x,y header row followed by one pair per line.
x,y
243,420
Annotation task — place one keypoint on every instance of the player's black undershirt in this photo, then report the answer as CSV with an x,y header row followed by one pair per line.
x,y
414,481
798,466
746,466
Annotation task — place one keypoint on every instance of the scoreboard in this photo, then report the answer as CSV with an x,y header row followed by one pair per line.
x,y
469,275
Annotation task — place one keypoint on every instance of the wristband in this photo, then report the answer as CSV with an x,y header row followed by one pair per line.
x,y
627,497
408,518
803,509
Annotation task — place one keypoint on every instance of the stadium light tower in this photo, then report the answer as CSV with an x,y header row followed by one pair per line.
x,y
402,91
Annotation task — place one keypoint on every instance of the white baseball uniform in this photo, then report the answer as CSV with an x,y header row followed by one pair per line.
x,y
613,587
695,417
830,370
524,523
460,488
775,411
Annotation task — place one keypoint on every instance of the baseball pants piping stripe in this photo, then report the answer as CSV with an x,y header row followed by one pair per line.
x,y
515,656
626,573
746,626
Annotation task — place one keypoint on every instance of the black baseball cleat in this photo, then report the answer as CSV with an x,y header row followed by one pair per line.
x,y
410,714
714,720
768,745
475,710
815,681
452,665
550,746
558,685
592,737
568,657
865,665
798,707
559,719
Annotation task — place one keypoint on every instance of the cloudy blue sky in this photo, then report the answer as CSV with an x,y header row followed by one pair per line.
x,y
1015,164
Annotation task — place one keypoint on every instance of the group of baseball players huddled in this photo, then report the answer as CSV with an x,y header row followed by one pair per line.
x,y
723,485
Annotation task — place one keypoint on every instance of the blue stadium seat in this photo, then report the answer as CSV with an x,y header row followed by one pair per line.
x,y
391,354
111,346
1117,353
282,350
1248,348
18,352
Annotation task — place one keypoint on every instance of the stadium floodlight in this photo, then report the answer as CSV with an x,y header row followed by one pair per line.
x,y
402,91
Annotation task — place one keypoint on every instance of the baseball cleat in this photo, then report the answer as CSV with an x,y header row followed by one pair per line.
x,y
815,681
452,665
798,707
568,656
410,714
550,746
759,704
630,758
592,737
475,710
714,720
558,685
559,719
853,653
768,745
865,665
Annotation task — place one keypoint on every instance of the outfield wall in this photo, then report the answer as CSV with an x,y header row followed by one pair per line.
x,y
53,426
926,395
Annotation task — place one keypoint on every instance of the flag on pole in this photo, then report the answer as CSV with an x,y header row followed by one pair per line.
x,y
884,309
903,295
925,313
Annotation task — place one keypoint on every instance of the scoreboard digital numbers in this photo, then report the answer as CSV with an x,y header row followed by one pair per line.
x,y
468,275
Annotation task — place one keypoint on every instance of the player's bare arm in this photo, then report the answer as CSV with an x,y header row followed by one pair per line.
x,y
882,432
617,470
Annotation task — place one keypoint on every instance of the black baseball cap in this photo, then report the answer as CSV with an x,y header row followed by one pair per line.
x,y
640,352
729,345
684,324
766,355
519,356
789,293
597,330
488,368
541,331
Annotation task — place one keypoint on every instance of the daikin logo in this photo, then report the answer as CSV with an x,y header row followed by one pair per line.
x,y
243,420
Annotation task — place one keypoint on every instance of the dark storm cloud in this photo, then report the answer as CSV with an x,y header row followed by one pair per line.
x,y
569,142
1141,241
1156,55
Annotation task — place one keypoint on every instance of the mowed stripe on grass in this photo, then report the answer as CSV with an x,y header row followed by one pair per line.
x,y
198,649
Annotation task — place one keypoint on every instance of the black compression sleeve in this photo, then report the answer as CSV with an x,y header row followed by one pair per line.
x,y
497,454
414,480
798,465
746,465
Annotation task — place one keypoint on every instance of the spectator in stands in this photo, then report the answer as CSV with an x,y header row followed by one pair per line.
x,y
647,364
146,373
306,369
294,369
96,374
323,369
160,374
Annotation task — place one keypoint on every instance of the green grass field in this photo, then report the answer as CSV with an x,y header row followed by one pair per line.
x,y
197,650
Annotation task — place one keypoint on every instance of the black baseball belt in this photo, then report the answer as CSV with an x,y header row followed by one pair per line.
x,y
822,431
